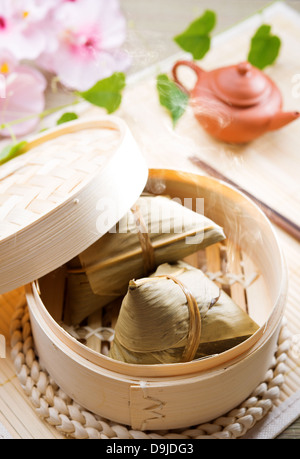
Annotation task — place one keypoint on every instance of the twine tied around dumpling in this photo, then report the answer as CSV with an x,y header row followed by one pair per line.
x,y
177,315
194,334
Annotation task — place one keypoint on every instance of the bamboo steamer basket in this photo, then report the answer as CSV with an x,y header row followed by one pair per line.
x,y
155,397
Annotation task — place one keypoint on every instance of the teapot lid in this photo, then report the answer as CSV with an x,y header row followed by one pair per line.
x,y
240,85
72,185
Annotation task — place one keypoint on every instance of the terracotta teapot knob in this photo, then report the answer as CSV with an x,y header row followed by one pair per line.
x,y
243,68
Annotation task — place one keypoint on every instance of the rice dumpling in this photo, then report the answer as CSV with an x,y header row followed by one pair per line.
x,y
157,324
155,231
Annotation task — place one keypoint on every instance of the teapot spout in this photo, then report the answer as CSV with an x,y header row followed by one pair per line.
x,y
282,119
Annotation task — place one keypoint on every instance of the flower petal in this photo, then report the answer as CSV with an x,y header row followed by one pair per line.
x,y
72,73
92,32
24,97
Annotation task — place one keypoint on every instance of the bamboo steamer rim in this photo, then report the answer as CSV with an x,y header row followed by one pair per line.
x,y
53,237
212,363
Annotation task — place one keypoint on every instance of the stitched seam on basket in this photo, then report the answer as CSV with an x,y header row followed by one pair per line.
x,y
158,405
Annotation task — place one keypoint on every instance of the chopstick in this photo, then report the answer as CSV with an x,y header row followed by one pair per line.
x,y
280,220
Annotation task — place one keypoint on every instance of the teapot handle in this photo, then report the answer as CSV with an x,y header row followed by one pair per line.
x,y
190,64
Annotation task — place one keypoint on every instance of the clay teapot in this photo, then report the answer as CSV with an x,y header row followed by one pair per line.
x,y
235,104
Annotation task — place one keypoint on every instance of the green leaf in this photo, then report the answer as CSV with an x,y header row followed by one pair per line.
x,y
196,39
12,151
107,93
171,97
69,116
264,47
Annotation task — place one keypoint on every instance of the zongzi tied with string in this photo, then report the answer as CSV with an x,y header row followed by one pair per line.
x,y
155,231
177,315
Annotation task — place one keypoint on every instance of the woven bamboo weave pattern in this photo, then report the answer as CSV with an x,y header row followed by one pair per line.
x,y
52,172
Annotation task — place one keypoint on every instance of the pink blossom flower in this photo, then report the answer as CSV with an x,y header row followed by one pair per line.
x,y
89,41
8,63
23,97
23,30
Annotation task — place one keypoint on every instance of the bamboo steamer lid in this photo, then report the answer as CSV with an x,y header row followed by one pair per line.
x,y
73,184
